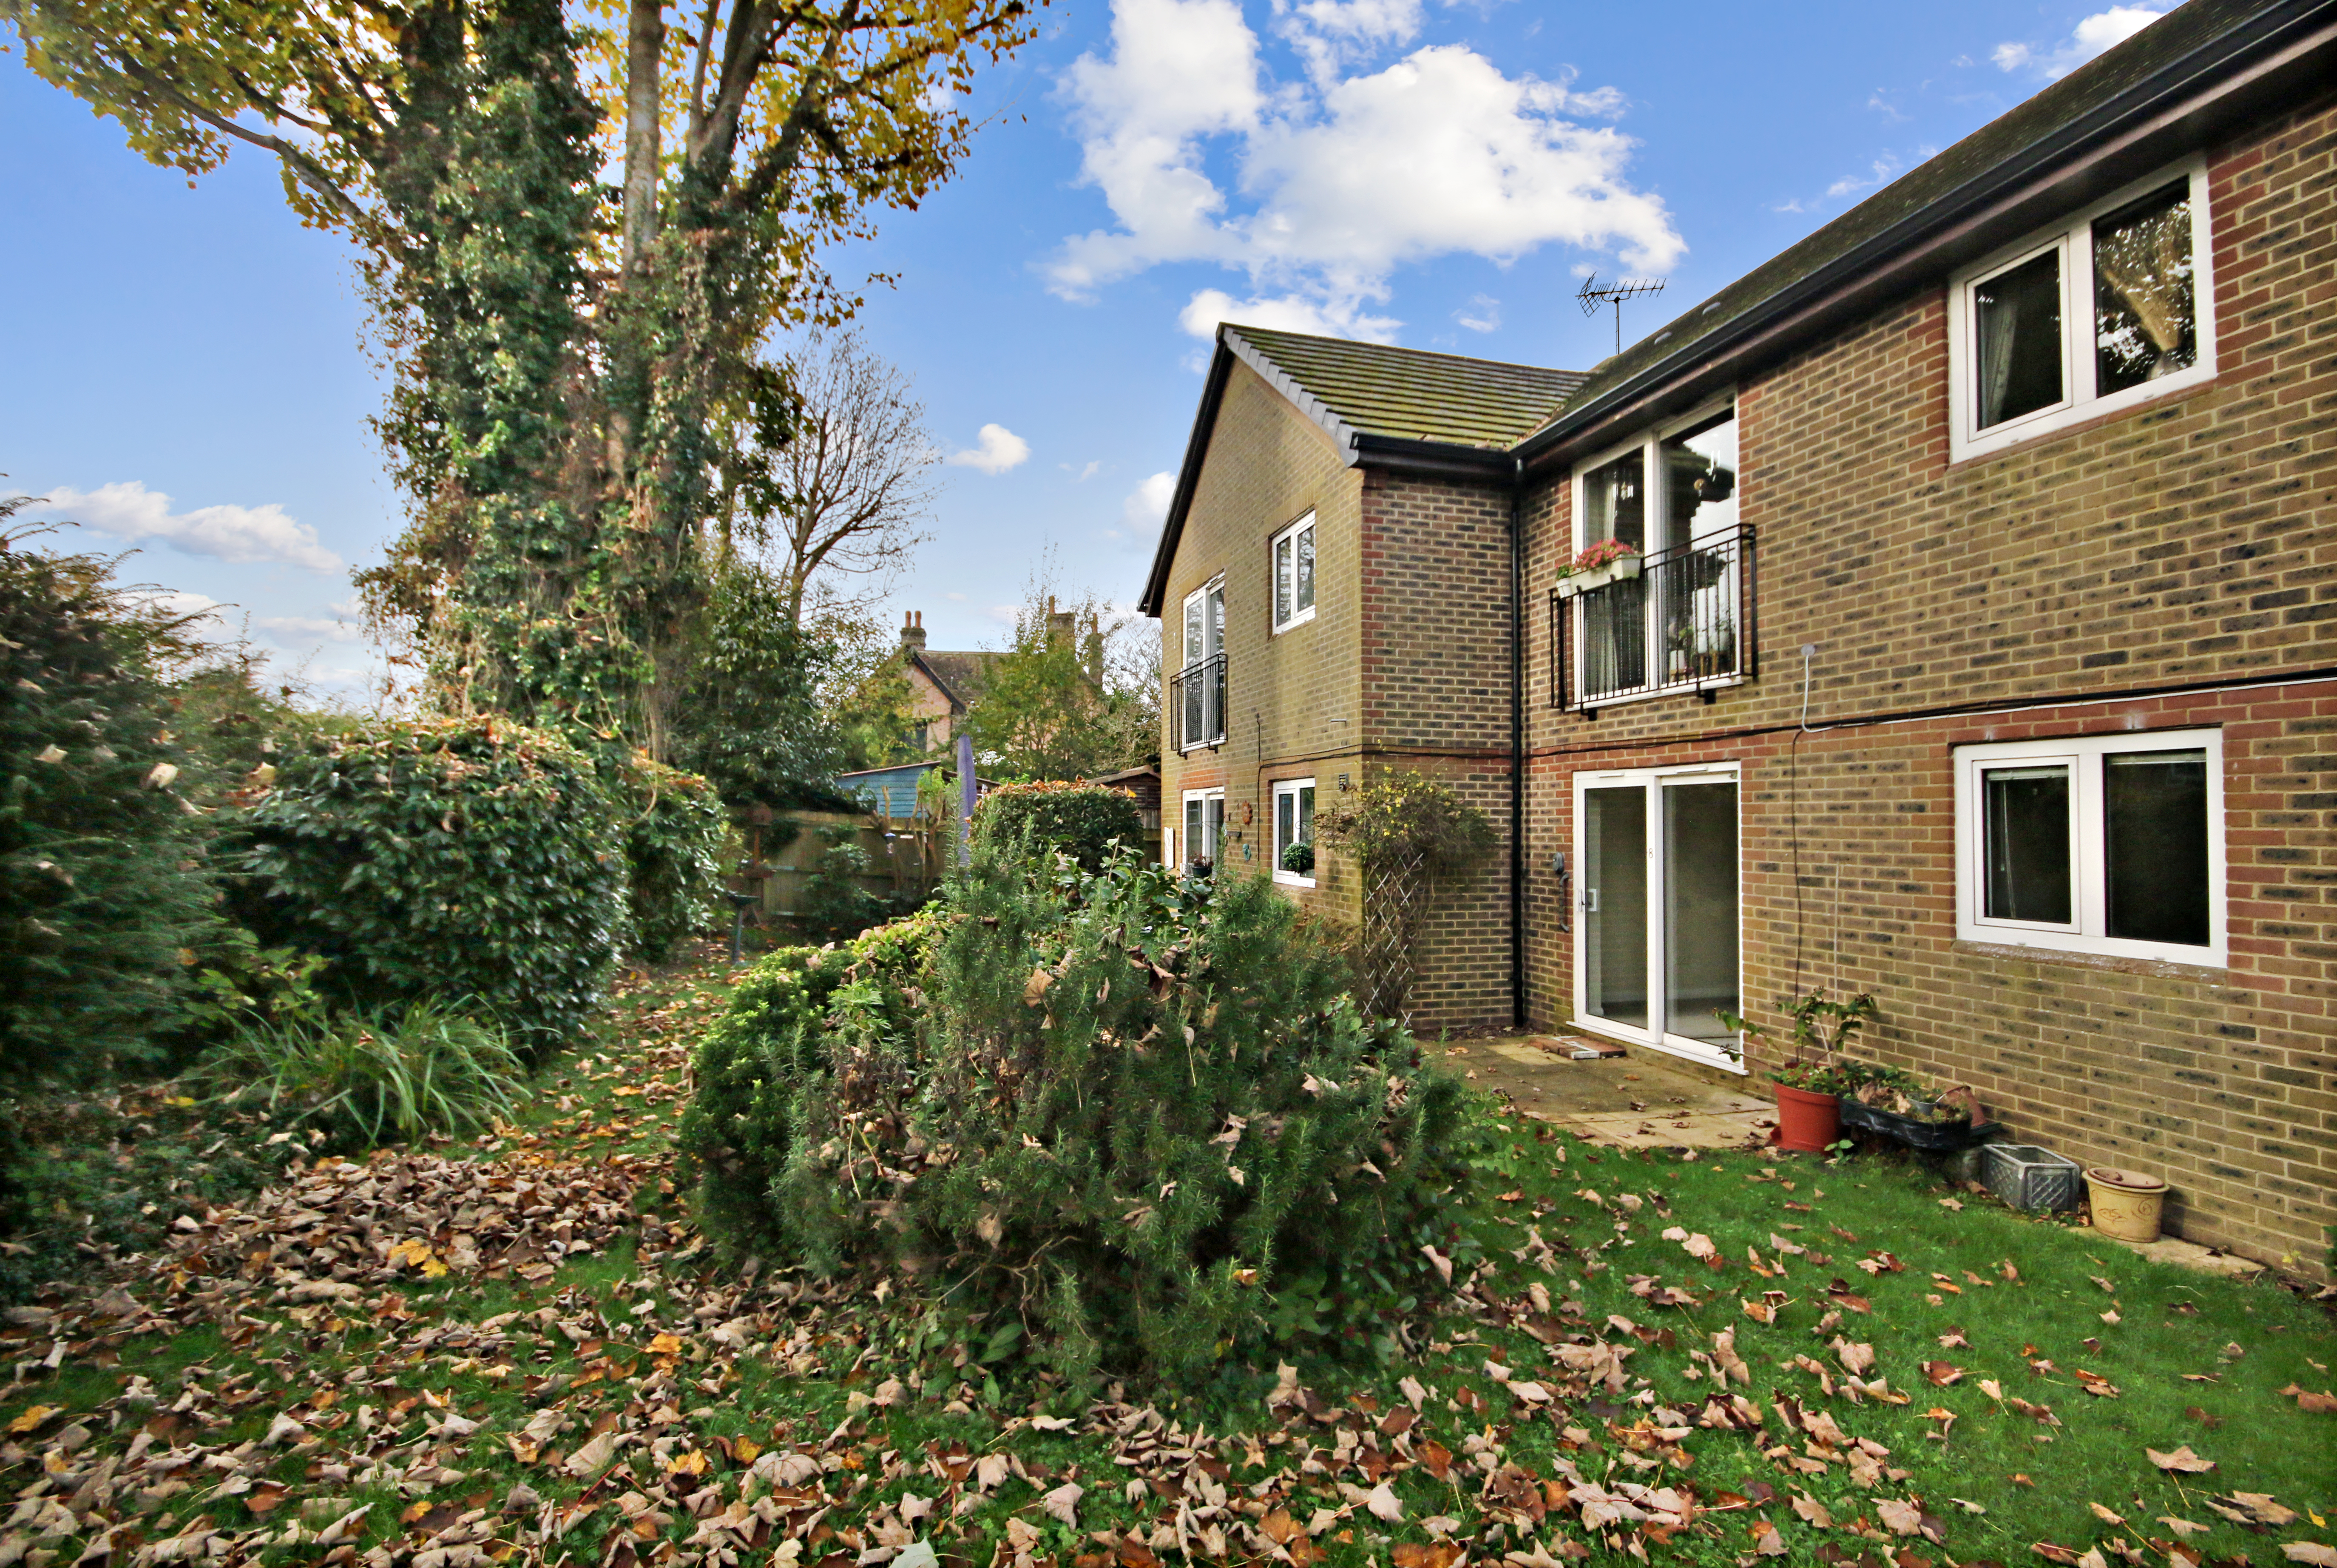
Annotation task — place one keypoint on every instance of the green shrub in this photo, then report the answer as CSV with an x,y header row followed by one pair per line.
x,y
1083,820
368,1078
465,857
1133,1114
102,880
753,1066
673,844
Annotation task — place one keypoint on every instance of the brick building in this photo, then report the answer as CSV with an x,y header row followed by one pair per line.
x,y
1981,652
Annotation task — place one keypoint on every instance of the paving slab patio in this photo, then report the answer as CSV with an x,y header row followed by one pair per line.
x,y
1640,1099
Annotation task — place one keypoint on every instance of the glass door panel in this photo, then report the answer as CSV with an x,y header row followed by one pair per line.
x,y
1615,905
1700,913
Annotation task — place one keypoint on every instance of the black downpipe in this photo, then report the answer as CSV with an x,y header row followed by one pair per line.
x,y
1518,747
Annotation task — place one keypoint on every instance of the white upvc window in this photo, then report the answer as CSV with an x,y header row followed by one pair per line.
x,y
1291,553
2112,307
1294,832
1204,826
2107,844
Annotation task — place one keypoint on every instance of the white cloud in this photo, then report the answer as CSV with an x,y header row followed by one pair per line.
x,y
999,450
1342,180
1285,313
1147,506
1081,475
1482,314
310,628
1882,169
2102,31
239,533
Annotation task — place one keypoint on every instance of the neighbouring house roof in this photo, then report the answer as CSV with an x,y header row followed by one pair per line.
x,y
962,677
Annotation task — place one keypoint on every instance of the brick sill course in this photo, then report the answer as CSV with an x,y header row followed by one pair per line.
x,y
2160,967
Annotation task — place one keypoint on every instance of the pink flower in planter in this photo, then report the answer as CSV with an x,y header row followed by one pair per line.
x,y
1606,552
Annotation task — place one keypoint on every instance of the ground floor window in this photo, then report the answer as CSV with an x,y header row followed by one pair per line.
x,y
1294,832
2108,844
1204,826
1657,958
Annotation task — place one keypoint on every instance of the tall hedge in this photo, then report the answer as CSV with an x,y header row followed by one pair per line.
x,y
101,886
467,857
1083,820
673,842
1134,1112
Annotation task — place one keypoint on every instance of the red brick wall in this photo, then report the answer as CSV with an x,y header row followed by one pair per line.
x,y
2172,548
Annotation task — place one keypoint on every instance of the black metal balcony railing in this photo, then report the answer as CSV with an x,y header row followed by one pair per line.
x,y
1686,622
1197,697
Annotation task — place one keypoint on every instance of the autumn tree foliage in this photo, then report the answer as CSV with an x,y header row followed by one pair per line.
x,y
571,363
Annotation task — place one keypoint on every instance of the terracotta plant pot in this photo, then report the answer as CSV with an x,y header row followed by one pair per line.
x,y
2126,1203
1806,1123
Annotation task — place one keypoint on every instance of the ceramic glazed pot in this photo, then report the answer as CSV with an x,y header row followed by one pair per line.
x,y
1806,1123
2126,1203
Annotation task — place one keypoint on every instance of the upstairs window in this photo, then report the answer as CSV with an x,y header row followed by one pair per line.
x,y
1294,575
2108,308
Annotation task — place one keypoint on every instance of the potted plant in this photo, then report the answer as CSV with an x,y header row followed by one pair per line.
x,y
1608,561
1895,1104
1811,1082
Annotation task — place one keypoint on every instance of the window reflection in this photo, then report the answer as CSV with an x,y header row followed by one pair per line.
x,y
1614,502
1700,480
2143,319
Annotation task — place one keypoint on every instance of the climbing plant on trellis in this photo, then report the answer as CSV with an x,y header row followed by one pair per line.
x,y
1408,833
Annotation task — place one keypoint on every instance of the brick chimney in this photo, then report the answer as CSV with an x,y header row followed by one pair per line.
x,y
1062,625
912,632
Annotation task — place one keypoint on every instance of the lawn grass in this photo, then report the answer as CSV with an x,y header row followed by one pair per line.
x,y
2026,1297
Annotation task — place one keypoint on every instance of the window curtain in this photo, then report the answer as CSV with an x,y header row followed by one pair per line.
x,y
1999,326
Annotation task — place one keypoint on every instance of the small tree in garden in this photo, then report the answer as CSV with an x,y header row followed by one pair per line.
x,y
1407,833
1131,1118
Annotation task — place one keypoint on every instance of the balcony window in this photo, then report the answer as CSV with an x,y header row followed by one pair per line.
x,y
1198,695
1680,616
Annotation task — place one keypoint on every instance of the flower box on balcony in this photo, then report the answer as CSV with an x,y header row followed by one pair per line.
x,y
1622,570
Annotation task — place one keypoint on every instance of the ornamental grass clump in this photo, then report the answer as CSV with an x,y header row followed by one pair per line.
x,y
1133,1114
369,1078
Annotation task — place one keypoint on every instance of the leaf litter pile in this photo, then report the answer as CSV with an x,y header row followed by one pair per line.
x,y
522,1352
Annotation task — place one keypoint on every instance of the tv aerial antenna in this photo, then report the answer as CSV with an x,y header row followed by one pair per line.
x,y
1592,299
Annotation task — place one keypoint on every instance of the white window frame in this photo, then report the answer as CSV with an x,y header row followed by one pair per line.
x,y
1304,524
1290,787
2088,880
1654,780
1648,443
2073,238
1184,817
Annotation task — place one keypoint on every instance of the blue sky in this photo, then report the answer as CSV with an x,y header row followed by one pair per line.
x,y
186,367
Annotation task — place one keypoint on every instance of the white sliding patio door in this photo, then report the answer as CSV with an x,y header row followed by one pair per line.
x,y
1656,954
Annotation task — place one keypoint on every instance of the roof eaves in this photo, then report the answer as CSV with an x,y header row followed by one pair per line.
x,y
1189,476
2286,39
1343,434
956,702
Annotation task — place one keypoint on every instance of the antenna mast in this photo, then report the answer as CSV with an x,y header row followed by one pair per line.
x,y
1590,298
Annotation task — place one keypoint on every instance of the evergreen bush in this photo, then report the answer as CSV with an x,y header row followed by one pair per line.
x,y
673,846
460,858
102,884
1083,820
1132,1114
832,906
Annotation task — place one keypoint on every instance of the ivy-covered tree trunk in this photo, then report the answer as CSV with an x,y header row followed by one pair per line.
x,y
569,361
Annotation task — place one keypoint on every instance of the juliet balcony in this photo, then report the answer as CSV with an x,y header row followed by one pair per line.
x,y
1676,621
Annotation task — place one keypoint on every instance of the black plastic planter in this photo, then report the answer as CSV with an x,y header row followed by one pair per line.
x,y
1932,1137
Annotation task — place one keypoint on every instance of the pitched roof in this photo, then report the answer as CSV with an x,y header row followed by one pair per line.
x,y
1376,389
1370,397
2117,105
961,676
